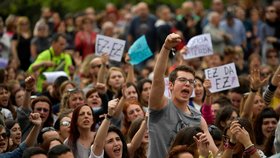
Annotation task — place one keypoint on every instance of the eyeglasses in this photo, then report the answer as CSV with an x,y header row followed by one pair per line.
x,y
65,123
99,66
185,81
42,109
4,135
46,129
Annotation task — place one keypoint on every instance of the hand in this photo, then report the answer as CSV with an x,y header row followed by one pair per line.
x,y
271,39
101,88
77,58
207,85
29,83
255,80
105,58
276,77
124,91
127,58
112,104
241,135
202,144
35,119
171,41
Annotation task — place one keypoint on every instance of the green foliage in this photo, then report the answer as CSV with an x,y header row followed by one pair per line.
x,y
31,8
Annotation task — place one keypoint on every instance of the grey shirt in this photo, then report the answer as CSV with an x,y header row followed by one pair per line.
x,y
164,124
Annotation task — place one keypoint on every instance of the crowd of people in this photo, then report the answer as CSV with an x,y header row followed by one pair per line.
x,y
103,108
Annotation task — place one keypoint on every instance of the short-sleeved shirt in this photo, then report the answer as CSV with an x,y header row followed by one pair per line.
x,y
164,125
61,61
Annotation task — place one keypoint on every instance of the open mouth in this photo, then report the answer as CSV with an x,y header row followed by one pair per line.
x,y
86,122
2,144
117,150
185,92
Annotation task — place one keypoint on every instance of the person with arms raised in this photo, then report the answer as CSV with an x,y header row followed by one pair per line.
x,y
168,116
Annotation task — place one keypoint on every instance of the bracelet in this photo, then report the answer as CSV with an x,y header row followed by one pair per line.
x,y
254,90
249,151
249,146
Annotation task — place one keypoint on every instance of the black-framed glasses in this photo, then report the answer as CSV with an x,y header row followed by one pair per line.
x,y
184,81
42,109
46,129
65,123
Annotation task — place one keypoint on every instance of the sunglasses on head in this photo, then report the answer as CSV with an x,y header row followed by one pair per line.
x,y
65,123
46,129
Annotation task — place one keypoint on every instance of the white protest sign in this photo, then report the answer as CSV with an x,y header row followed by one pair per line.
x,y
52,76
167,92
222,78
112,46
199,46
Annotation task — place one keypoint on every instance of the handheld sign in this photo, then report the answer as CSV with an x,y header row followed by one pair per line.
x,y
139,51
52,76
199,46
112,46
222,77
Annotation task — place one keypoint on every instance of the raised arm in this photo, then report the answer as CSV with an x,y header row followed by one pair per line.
x,y
29,86
269,92
99,141
206,107
130,74
102,70
31,138
137,139
255,84
157,99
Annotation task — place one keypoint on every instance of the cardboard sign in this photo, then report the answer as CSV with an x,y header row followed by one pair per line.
x,y
222,77
199,46
112,46
139,51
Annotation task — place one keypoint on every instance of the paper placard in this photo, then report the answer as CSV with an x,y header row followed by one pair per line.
x,y
199,46
52,76
222,77
3,62
112,46
139,51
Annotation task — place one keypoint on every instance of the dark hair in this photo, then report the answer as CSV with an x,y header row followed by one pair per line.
x,y
173,74
9,106
269,145
129,84
74,133
119,133
185,136
13,96
58,150
10,123
56,36
60,117
268,51
265,113
133,129
240,148
223,115
175,151
91,91
222,101
49,121
29,152
140,86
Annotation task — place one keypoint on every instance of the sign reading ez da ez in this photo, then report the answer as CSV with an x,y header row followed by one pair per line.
x,y
222,78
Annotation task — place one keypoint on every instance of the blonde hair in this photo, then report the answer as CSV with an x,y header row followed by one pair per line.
x,y
21,20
